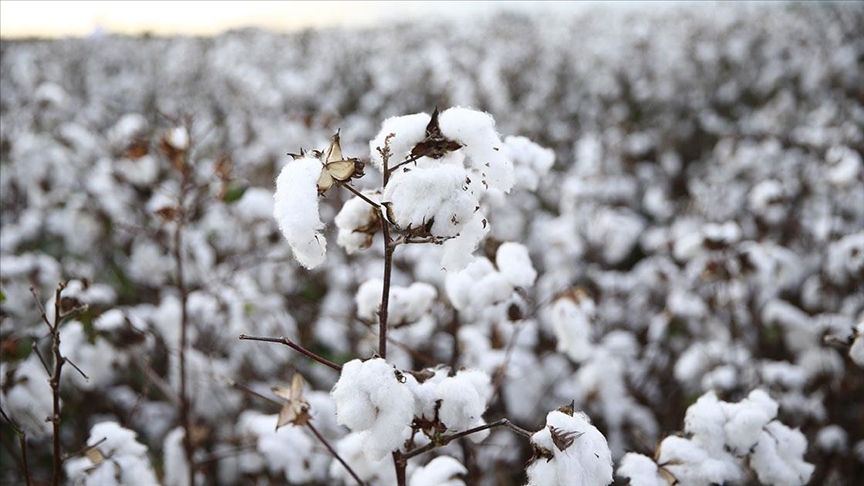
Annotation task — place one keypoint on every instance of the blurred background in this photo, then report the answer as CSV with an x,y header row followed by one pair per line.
x,y
29,19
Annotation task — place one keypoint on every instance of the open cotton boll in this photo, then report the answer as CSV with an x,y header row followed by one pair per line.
x,y
692,465
29,400
746,419
531,161
435,196
296,210
640,470
175,467
475,130
407,304
123,459
441,471
587,461
778,457
408,131
459,252
369,397
571,322
255,205
355,220
514,263
463,401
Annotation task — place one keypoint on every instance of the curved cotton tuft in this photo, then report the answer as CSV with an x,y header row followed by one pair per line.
x,y
296,210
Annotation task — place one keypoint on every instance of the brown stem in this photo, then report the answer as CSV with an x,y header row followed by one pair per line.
x,y
454,353
444,440
361,196
54,381
296,347
22,443
185,405
385,293
401,463
334,453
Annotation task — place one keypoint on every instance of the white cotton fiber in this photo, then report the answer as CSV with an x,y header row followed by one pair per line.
x,y
514,262
296,210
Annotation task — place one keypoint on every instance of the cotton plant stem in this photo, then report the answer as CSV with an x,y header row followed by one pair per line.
x,y
296,347
185,406
55,388
385,293
442,441
361,196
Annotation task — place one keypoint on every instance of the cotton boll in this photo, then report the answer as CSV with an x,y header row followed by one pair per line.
x,y
778,457
369,397
408,130
27,397
463,400
296,210
844,165
124,460
441,471
587,461
97,360
832,439
692,465
514,262
355,221
435,196
531,161
640,470
475,130
571,322
174,464
256,204
845,262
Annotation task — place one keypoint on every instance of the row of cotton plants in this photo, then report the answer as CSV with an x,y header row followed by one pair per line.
x,y
260,258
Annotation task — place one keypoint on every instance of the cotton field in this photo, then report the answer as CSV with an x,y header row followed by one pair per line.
x,y
618,246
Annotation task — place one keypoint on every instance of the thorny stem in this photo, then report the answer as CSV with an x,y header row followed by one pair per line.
x,y
22,443
444,440
296,347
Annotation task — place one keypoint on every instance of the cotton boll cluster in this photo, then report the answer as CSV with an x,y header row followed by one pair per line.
x,y
570,450
116,458
723,439
450,404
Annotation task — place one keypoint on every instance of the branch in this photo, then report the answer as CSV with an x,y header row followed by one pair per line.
x,y
296,347
444,440
361,195
335,454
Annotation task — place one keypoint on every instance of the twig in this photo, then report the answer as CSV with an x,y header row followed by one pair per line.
x,y
296,347
41,308
454,331
22,443
444,440
335,454
246,389
84,449
54,381
157,380
73,365
361,196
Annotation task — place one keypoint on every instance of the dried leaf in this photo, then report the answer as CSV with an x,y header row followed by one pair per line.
x,y
295,410
435,145
563,440
95,456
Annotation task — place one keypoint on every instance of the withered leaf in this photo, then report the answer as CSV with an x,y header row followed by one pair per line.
x,y
295,410
435,145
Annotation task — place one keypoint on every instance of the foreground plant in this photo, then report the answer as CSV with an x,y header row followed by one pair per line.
x,y
438,172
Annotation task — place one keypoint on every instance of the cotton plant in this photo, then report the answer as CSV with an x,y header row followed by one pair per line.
x,y
724,442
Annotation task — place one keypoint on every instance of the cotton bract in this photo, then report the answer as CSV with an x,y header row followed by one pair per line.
x,y
587,461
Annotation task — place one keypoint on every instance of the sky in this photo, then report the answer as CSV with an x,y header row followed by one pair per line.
x,y
81,18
